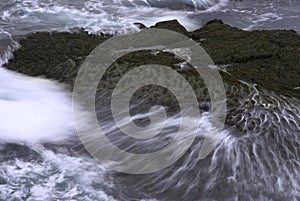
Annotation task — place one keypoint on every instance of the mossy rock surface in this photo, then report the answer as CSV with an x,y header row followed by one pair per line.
x,y
270,59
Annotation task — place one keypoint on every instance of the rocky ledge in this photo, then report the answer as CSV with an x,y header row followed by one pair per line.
x,y
268,58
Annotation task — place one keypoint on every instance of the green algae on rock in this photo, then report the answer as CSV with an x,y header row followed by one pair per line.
x,y
268,58
172,25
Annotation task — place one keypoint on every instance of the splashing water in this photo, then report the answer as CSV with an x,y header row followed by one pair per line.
x,y
33,110
109,16
257,159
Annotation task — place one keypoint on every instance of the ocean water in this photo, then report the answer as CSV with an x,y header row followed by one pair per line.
x,y
41,155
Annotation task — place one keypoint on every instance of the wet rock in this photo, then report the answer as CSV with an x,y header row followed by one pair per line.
x,y
172,25
268,58
54,55
140,25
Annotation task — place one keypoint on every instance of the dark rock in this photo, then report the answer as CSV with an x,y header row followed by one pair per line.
x,y
54,55
271,59
172,25
140,25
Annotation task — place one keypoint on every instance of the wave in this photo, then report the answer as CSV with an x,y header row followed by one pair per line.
x,y
257,159
109,16
33,110
262,130
37,173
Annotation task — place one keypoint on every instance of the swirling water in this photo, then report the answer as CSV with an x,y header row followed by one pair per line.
x,y
42,159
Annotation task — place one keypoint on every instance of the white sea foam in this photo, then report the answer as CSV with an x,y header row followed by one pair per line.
x,y
33,110
57,176
110,16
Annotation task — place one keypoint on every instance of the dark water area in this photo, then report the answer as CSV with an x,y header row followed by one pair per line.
x,y
42,158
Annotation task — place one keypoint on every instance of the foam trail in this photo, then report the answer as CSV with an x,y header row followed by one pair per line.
x,y
33,110
52,176
7,46
109,16
257,159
